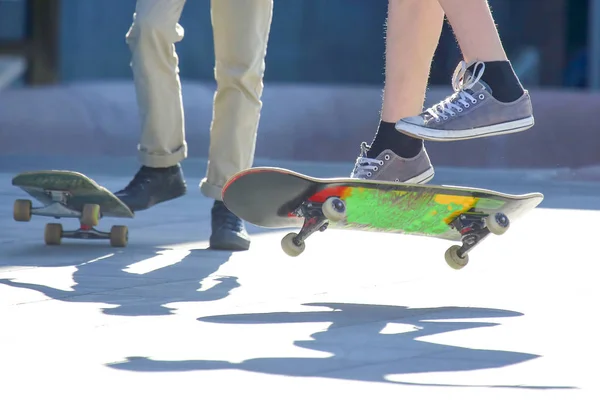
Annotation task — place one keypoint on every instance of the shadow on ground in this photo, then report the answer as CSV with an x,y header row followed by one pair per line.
x,y
137,281
359,347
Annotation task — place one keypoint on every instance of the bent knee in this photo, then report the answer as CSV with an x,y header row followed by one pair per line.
x,y
151,26
245,78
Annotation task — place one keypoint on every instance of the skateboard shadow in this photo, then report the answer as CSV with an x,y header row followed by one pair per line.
x,y
137,281
68,253
360,349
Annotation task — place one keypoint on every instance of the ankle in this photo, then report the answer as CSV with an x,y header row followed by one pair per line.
x,y
172,168
388,138
502,80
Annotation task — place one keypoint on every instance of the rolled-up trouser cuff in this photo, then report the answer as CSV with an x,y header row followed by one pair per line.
x,y
210,190
162,160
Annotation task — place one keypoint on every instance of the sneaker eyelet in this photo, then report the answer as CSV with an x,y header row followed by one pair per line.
x,y
453,114
467,105
375,169
396,180
460,110
445,118
438,120
369,174
481,96
474,101
387,158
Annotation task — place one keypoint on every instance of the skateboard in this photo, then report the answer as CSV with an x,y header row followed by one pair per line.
x,y
280,198
68,194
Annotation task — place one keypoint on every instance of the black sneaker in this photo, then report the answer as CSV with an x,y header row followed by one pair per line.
x,y
228,231
151,186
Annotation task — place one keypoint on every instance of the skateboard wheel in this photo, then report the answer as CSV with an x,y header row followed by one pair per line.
x,y
119,236
454,260
289,246
334,209
53,234
90,215
497,223
22,210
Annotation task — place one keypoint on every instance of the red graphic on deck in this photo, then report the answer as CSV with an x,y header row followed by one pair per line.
x,y
337,191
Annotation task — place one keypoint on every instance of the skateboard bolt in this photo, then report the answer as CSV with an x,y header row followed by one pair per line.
x,y
501,219
338,205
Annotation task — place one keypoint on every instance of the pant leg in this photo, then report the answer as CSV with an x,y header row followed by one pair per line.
x,y
241,32
155,65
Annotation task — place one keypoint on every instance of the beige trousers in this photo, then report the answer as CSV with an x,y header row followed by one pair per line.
x,y
241,30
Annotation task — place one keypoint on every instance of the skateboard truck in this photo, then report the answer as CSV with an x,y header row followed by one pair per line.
x,y
474,228
88,217
56,210
316,218
117,236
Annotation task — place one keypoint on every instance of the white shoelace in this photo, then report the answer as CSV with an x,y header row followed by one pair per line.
x,y
365,166
461,99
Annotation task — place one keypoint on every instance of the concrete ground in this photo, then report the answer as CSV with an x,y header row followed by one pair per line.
x,y
358,314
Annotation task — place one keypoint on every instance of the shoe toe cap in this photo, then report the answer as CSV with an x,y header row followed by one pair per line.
x,y
416,120
228,239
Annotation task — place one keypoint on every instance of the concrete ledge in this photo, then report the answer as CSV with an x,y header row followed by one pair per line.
x,y
311,123
11,69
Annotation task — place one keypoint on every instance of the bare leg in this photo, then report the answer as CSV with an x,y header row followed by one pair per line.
x,y
413,31
475,30
488,98
487,101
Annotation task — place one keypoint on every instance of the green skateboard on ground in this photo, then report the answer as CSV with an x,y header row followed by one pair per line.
x,y
279,198
67,194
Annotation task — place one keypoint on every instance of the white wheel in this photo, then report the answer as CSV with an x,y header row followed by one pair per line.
x,y
334,209
90,215
119,235
22,210
497,223
53,234
290,247
454,260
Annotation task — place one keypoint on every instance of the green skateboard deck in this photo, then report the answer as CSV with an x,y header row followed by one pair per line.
x,y
69,194
279,198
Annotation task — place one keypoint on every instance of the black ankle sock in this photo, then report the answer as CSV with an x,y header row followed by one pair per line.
x,y
170,169
502,80
388,138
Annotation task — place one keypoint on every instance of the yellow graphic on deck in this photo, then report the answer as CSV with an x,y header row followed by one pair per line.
x,y
458,204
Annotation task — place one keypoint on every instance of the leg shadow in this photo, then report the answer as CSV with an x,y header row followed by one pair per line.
x,y
138,282
358,347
